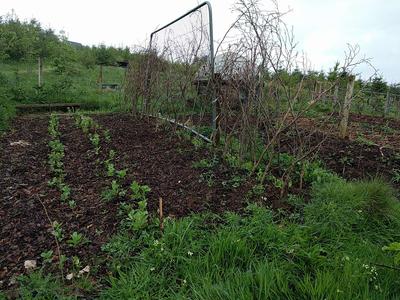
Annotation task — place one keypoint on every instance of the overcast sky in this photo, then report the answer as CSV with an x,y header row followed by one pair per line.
x,y
322,28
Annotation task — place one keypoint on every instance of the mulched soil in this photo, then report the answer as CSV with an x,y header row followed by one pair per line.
x,y
384,132
153,156
26,229
165,163
371,150
350,159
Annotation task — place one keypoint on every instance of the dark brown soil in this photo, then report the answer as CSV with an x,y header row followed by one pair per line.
x,y
352,159
372,148
153,156
26,230
383,132
165,163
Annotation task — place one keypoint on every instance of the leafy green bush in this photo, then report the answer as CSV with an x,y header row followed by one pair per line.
x,y
7,107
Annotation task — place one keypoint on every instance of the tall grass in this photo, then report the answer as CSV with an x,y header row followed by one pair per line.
x,y
332,249
335,253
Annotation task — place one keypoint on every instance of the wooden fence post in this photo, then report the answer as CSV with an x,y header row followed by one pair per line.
x,y
336,94
346,108
40,71
387,103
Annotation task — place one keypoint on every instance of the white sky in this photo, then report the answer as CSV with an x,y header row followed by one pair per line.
x,y
322,28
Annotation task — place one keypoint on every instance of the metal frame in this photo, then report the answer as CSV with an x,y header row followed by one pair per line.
x,y
208,4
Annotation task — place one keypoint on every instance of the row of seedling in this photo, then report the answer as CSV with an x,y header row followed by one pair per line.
x,y
137,192
56,164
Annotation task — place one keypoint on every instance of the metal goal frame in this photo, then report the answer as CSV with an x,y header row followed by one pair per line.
x,y
211,60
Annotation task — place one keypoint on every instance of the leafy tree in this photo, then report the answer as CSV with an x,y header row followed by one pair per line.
x,y
378,85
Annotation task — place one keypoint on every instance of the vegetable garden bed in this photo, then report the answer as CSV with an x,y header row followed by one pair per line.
x,y
69,182
153,156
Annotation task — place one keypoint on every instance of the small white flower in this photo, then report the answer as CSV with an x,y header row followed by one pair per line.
x,y
152,269
184,281
190,253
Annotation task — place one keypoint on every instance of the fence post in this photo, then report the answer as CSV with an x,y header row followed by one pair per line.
x,y
387,103
346,108
336,94
40,71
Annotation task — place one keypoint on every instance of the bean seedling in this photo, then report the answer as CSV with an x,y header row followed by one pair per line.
x,y
76,239
107,135
139,191
65,193
95,139
47,256
113,192
122,173
137,218
57,231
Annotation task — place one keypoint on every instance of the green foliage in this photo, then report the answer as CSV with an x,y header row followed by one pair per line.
x,y
95,140
76,262
363,140
107,135
53,126
110,169
203,164
7,110
257,255
121,174
113,192
58,231
65,193
47,256
76,239
139,192
39,286
72,204
396,176
137,218
395,248
339,208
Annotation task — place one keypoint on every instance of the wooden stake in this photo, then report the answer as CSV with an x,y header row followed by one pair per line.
x,y
336,94
160,211
346,108
40,69
387,103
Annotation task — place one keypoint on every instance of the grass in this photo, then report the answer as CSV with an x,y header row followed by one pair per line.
x,y
262,255
77,84
329,248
